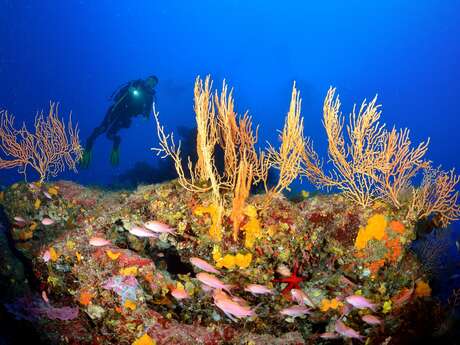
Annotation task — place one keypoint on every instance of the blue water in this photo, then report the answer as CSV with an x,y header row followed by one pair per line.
x,y
79,52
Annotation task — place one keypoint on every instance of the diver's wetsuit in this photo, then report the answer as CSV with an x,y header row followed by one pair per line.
x,y
132,99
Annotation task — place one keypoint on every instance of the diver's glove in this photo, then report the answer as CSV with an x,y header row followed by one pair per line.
x,y
115,157
85,159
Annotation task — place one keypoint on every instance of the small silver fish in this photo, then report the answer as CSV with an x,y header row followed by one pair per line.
x,y
232,308
33,187
45,297
212,281
257,289
47,221
371,319
295,310
206,288
346,331
46,255
329,335
202,264
98,241
360,302
159,227
20,221
283,270
141,232
179,294
301,297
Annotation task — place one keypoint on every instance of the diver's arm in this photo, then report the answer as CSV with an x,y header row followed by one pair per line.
x,y
120,97
117,90
147,111
148,104
122,92
123,89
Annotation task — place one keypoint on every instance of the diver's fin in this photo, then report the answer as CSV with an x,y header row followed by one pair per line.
x,y
115,157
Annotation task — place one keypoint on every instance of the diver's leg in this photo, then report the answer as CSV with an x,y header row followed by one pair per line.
x,y
116,141
93,136
87,153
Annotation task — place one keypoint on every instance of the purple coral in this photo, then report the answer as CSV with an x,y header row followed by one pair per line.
x,y
32,307
124,286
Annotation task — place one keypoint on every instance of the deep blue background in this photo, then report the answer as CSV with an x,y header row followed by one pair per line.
x,y
78,52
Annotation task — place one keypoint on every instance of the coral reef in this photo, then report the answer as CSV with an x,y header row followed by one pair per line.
x,y
199,260
128,286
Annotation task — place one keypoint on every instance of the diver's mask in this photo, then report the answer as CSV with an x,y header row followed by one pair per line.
x,y
151,81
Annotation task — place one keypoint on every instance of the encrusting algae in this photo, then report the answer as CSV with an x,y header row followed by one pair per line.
x,y
231,261
422,289
215,214
327,304
252,228
145,340
375,229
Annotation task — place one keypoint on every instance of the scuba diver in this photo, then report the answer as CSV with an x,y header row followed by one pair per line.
x,y
131,99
